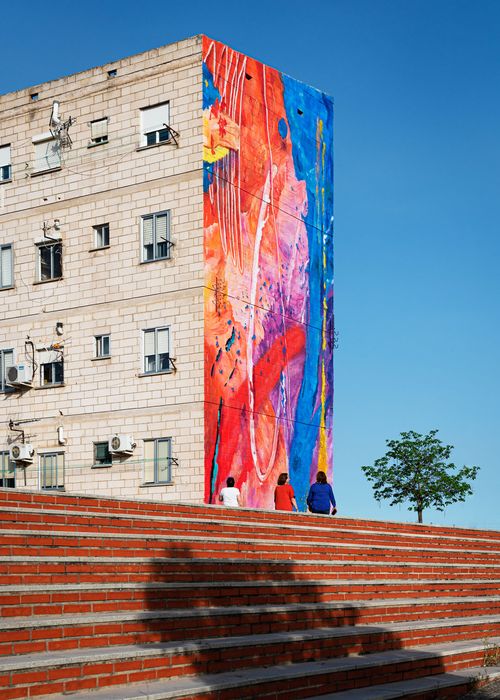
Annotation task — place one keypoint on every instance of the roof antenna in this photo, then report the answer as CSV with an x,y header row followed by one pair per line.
x,y
60,128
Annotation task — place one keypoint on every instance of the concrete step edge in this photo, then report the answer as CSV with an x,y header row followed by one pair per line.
x,y
393,691
9,623
199,539
234,560
205,683
330,583
21,662
240,519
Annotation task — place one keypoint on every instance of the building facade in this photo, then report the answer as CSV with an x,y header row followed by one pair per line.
x,y
166,278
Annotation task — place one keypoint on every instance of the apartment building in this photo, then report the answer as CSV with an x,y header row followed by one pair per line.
x,y
166,278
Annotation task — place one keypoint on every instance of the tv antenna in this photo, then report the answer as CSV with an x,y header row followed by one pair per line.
x,y
60,128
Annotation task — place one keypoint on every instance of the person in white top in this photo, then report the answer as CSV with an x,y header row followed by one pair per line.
x,y
230,495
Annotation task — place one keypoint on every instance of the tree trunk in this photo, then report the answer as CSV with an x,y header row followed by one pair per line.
x,y
420,519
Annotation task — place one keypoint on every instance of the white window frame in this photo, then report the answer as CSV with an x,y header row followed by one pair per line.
x,y
155,244
3,248
156,355
5,163
98,465
51,160
153,121
102,231
99,131
53,251
6,466
4,388
156,461
42,474
98,345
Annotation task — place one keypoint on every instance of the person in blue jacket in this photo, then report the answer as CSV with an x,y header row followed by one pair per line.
x,y
321,496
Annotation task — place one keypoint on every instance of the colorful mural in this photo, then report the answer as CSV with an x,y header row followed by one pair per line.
x,y
268,237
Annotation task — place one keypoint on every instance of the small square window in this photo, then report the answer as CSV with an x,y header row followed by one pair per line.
x,y
52,373
5,163
49,261
101,235
102,346
102,455
34,96
99,131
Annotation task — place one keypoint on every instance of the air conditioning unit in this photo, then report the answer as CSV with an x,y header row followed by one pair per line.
x,y
121,445
21,453
19,375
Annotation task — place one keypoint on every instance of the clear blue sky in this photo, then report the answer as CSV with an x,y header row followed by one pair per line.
x,y
417,157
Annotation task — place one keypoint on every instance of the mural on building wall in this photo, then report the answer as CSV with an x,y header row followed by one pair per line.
x,y
268,237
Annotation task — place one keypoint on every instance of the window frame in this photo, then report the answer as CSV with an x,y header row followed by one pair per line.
x,y
49,166
156,461
98,230
42,470
154,217
101,465
7,246
6,170
52,364
156,353
5,463
98,350
104,138
160,135
52,245
4,388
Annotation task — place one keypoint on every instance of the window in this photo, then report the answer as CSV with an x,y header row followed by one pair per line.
x,y
51,367
52,470
49,261
156,236
158,461
7,471
102,455
156,350
99,131
154,121
47,153
102,346
101,235
6,272
5,164
6,360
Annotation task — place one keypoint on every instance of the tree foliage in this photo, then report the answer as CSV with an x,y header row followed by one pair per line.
x,y
415,469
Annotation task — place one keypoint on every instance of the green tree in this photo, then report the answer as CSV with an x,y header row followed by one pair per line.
x,y
415,469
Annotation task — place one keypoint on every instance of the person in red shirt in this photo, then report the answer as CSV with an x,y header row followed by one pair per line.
x,y
284,497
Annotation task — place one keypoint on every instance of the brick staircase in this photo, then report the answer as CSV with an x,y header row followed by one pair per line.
x,y
124,600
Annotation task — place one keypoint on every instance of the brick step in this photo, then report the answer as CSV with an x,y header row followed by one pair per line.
x,y
443,686
97,667
80,544
63,599
47,570
70,521
92,504
23,635
283,682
